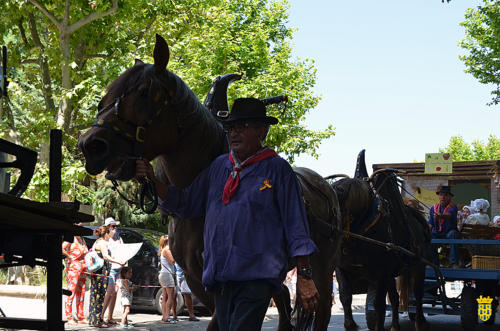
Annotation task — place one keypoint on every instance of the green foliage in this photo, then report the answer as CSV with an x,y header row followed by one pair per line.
x,y
207,38
108,203
476,151
482,42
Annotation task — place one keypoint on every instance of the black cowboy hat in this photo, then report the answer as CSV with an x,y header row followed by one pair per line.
x,y
445,189
249,109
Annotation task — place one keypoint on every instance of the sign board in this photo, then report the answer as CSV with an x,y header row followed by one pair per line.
x,y
438,163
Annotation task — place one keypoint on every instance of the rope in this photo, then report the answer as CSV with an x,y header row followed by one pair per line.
x,y
101,275
419,202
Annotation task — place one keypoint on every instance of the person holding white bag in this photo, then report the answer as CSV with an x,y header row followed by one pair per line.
x,y
99,277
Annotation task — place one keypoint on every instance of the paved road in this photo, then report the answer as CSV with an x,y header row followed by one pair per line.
x,y
149,320
146,321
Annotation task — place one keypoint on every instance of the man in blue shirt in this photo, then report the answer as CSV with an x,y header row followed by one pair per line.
x,y
255,221
443,223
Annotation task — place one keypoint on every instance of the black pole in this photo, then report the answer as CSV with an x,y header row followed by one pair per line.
x,y
54,261
55,160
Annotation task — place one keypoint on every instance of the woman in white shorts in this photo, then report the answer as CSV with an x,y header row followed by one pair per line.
x,y
167,280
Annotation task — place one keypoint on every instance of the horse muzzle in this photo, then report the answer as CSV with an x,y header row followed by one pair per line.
x,y
96,151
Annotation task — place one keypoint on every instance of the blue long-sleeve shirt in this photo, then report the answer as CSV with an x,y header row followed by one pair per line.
x,y
449,224
254,235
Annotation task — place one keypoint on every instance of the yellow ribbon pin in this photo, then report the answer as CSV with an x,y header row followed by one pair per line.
x,y
267,184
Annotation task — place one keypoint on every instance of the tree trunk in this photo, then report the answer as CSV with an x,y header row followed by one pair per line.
x,y
46,82
65,109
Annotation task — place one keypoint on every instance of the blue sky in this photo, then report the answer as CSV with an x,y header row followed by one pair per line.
x,y
390,80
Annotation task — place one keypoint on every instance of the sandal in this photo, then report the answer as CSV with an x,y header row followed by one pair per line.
x,y
71,322
111,322
83,321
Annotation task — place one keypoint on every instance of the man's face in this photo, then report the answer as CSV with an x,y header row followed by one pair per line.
x,y
444,198
245,137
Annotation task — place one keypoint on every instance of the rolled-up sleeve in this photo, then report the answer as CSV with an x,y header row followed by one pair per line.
x,y
189,202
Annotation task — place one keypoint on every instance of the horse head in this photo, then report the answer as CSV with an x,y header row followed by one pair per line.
x,y
143,114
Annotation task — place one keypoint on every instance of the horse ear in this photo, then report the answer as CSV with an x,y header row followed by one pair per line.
x,y
137,62
161,53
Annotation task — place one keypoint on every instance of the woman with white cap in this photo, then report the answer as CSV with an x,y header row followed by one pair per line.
x,y
479,217
114,243
462,216
496,221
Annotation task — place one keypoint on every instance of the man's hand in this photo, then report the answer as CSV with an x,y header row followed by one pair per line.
x,y
143,169
307,293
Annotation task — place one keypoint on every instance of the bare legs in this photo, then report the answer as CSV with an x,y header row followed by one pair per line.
x,y
109,301
167,302
189,304
126,311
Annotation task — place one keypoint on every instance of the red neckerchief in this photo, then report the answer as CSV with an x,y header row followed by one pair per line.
x,y
234,177
441,219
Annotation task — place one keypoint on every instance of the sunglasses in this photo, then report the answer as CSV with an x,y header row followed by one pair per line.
x,y
237,127
114,226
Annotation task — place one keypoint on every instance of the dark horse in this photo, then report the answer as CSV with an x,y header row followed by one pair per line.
x,y
373,207
149,112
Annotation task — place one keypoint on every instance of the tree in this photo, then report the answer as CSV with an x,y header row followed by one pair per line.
x,y
476,151
482,43
65,53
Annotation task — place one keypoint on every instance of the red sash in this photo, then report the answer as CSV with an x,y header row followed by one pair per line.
x,y
234,177
441,219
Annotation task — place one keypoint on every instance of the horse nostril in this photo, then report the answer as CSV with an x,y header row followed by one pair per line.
x,y
96,147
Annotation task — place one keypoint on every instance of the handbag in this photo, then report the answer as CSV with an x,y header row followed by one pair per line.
x,y
93,260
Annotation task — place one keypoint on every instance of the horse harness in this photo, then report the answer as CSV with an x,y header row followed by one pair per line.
x,y
134,133
382,208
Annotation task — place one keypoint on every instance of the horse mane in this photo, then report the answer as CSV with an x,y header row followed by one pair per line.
x,y
131,77
403,233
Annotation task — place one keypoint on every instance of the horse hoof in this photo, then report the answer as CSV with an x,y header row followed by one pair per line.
x,y
422,326
351,327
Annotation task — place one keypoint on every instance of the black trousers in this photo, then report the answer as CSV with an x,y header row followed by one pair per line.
x,y
242,305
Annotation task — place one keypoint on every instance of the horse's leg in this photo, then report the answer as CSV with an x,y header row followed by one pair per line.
x,y
323,279
282,300
345,294
379,303
421,323
394,297
186,244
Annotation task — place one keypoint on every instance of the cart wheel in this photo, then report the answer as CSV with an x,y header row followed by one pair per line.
x,y
469,309
371,315
491,320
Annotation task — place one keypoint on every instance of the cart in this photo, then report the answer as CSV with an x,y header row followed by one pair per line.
x,y
483,282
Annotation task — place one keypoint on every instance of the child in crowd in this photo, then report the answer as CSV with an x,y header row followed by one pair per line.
x,y
126,289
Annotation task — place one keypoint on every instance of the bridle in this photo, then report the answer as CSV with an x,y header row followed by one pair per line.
x,y
134,133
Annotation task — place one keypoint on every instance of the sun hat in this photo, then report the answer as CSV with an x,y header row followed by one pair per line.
x,y
249,109
110,220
